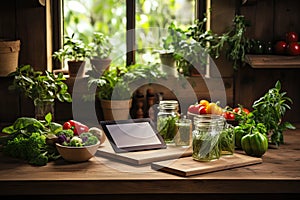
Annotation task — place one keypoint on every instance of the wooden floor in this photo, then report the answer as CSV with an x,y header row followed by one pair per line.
x,y
278,177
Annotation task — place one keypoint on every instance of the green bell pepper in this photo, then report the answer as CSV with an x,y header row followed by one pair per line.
x,y
238,134
254,144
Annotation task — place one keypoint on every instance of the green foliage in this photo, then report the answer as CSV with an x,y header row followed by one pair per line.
x,y
267,115
100,46
270,109
115,82
73,49
27,139
238,43
191,46
39,87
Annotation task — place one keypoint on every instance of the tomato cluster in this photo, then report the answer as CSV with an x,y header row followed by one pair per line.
x,y
289,46
231,114
205,107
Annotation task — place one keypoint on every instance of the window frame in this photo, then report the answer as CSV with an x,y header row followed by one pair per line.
x,y
57,27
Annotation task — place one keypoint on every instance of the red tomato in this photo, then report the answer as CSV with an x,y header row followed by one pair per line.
x,y
228,115
246,111
280,47
202,110
231,116
291,36
238,110
293,49
67,125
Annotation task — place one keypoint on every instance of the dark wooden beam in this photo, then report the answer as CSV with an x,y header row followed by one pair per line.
x,y
130,32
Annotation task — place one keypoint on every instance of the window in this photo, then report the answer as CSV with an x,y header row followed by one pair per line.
x,y
146,20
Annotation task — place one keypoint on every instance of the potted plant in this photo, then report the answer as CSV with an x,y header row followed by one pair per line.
x,y
183,50
101,49
43,89
76,52
114,87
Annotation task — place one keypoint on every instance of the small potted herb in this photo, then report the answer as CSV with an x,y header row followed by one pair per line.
x,y
76,52
42,88
114,86
101,49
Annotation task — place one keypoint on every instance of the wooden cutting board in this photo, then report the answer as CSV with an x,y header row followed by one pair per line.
x,y
144,157
187,166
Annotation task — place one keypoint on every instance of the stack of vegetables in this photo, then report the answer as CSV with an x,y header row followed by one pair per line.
x,y
34,140
263,125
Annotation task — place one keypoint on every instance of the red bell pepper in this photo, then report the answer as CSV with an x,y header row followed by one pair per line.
x,y
76,126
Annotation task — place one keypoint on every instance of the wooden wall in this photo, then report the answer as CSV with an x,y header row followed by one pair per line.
x,y
270,20
23,20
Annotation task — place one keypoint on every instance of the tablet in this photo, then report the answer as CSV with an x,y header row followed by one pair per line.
x,y
132,135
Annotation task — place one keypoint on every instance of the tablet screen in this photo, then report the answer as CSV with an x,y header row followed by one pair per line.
x,y
132,135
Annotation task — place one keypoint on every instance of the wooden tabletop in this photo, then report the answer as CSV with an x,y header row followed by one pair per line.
x,y
278,174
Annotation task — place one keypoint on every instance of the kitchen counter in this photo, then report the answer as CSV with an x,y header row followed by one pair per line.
x,y
278,177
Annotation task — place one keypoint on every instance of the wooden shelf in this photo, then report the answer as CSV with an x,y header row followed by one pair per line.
x,y
273,61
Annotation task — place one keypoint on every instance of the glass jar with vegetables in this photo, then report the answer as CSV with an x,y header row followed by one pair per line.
x,y
206,137
166,119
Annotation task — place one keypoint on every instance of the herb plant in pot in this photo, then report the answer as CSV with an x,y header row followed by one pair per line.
x,y
42,88
187,52
76,52
101,49
114,87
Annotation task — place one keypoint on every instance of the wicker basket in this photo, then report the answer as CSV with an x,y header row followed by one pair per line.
x,y
9,56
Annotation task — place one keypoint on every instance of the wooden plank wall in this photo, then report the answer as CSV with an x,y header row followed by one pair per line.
x,y
270,20
23,20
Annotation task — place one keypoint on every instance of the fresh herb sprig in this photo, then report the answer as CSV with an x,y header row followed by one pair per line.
x,y
270,109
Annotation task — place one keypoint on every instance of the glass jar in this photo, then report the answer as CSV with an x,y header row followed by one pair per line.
x,y
206,137
166,119
183,136
227,140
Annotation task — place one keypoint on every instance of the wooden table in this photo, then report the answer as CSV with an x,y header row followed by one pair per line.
x,y
278,177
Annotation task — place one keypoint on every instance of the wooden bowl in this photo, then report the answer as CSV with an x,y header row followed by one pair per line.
x,y
77,154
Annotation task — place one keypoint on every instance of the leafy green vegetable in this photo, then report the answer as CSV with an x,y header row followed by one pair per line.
x,y
270,109
166,127
40,87
226,140
31,149
205,146
27,140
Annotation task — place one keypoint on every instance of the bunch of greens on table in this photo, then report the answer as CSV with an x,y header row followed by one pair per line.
x,y
34,140
266,116
27,139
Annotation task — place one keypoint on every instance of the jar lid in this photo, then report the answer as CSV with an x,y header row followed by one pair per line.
x,y
168,104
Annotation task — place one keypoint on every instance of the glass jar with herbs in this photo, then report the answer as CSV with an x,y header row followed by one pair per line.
x,y
166,119
227,140
206,137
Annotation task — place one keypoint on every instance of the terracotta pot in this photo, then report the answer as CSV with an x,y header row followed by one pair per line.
x,y
9,56
76,68
116,109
